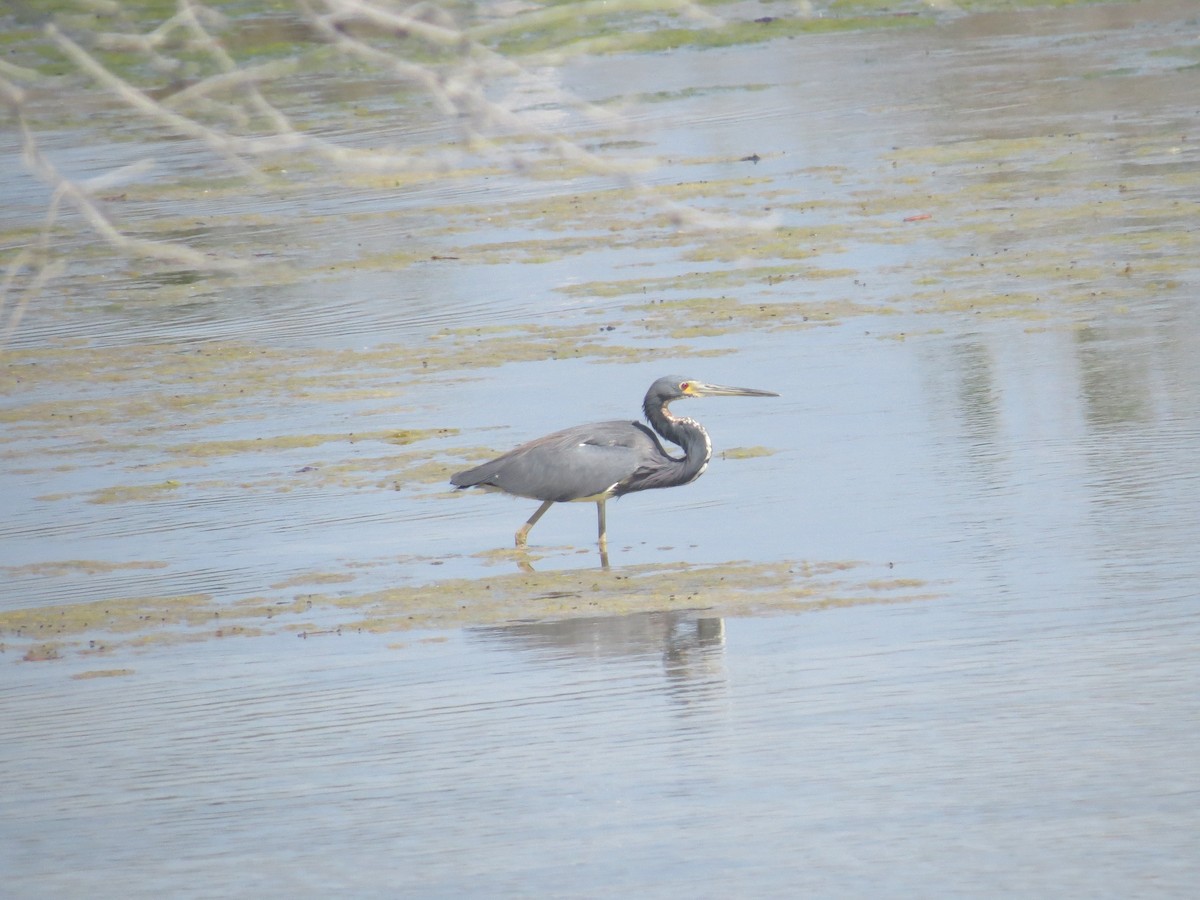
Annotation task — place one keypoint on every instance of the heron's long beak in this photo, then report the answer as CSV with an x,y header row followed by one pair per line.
x,y
700,389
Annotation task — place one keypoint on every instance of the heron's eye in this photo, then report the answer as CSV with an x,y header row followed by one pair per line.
x,y
683,386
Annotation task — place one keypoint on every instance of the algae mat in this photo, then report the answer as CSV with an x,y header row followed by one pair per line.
x,y
103,627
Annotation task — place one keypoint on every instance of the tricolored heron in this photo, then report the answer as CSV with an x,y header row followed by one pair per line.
x,y
606,459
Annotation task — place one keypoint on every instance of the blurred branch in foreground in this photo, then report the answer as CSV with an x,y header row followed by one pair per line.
x,y
183,79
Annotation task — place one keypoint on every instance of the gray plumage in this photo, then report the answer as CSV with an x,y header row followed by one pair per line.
x,y
606,459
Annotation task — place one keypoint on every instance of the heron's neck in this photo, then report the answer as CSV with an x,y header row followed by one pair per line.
x,y
689,435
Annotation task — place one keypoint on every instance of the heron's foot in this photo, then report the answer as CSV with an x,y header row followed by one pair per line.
x,y
522,538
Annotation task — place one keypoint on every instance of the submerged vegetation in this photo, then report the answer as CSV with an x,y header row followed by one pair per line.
x,y
248,157
304,605
263,91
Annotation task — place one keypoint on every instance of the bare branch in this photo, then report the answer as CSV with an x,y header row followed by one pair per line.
x,y
81,198
223,105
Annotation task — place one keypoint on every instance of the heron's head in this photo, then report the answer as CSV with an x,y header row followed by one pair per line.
x,y
673,387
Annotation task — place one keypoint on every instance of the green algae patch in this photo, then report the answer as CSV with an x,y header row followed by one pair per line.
x,y
310,578
616,35
477,348
258,444
41,652
103,626
713,316
102,673
130,614
721,278
301,441
130,493
746,452
733,588
366,472
783,243
77,566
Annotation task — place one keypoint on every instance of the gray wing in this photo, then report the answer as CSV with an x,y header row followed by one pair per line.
x,y
578,462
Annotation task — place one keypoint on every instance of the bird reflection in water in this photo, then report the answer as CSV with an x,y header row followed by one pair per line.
x,y
691,646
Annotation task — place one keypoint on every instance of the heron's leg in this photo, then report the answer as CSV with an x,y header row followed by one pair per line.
x,y
600,523
523,531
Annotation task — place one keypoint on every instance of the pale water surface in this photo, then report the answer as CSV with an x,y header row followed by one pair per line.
x,y
1013,710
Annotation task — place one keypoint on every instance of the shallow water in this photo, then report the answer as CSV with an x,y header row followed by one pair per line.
x,y
939,639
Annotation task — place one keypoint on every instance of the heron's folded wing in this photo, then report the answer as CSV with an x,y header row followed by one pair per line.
x,y
573,464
